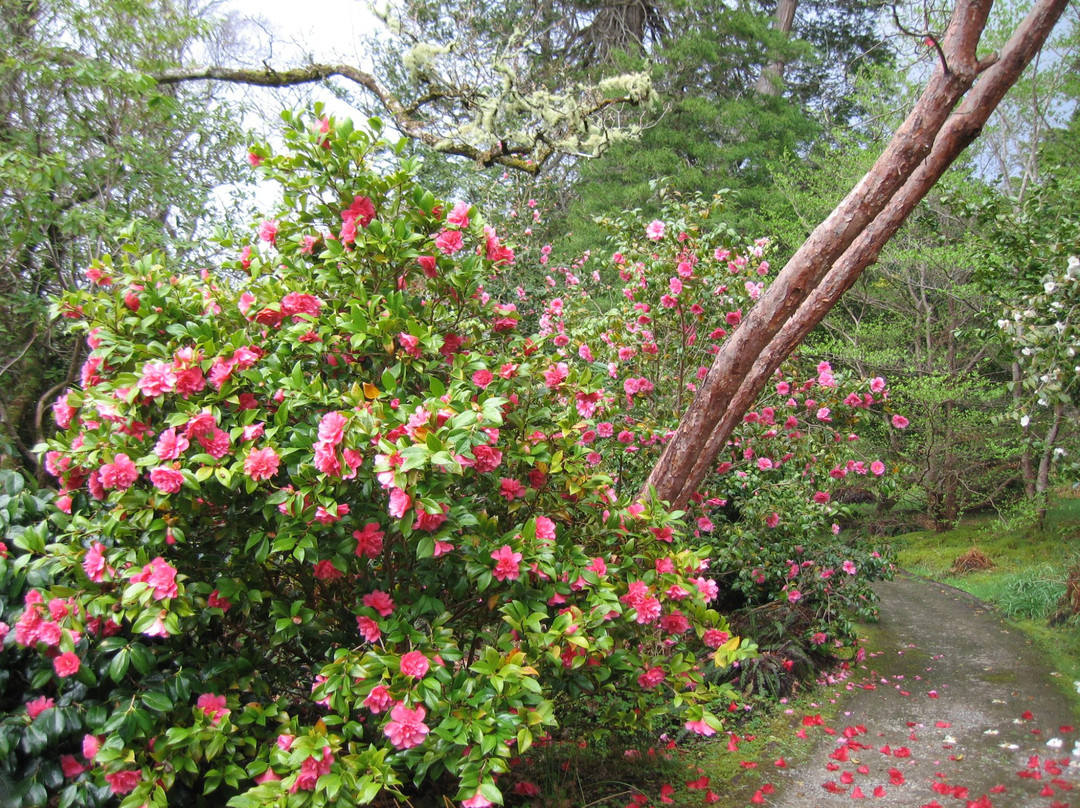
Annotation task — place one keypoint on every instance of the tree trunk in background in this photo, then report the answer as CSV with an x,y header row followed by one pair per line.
x,y
771,79
851,238
1042,480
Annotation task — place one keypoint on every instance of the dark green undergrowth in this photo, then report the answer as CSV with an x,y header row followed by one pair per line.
x,y
1026,577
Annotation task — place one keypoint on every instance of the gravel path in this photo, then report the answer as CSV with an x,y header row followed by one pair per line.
x,y
950,708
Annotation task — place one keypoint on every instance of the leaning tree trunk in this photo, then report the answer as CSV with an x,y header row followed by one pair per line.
x,y
1042,479
850,239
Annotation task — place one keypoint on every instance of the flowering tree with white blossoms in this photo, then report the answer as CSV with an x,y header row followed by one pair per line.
x,y
1043,329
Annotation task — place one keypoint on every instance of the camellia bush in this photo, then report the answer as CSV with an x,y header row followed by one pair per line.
x,y
650,318
329,527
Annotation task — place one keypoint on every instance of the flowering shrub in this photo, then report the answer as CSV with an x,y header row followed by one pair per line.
x,y
767,515
329,525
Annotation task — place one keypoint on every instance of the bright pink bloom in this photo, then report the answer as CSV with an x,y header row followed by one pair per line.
x,y
482,378
216,442
123,781
675,623
167,480
700,728
449,241
487,458
414,664
311,770
714,637
161,576
877,385
261,464
545,529
120,474
268,231
399,503
877,468
651,678
368,629
170,445
556,375
900,422
157,379
406,728
91,744
94,563
63,412
71,767
332,427
511,489
38,706
378,700
478,800
459,215
380,602
214,706
326,571
849,567
369,540
507,563
430,522
655,230
361,211
295,304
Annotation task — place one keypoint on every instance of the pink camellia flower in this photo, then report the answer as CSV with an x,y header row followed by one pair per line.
x,y
94,563
773,519
268,231
700,728
167,480
215,601
380,602
170,445
369,540
71,767
545,529
296,304
67,664
326,571
160,575
459,215
877,385
63,412
399,503
900,422
449,241
487,458
361,211
414,664
714,637
655,230
378,700
332,427
877,468
507,563
123,781
216,442
430,522
406,728
482,378
477,800
120,474
368,629
91,744
849,567
261,464
556,375
38,706
428,266
157,379
794,596
311,770
650,678
511,489
214,706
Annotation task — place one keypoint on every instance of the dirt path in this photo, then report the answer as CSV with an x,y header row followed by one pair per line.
x,y
950,708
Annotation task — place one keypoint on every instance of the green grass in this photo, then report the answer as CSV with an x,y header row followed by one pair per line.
x,y
1026,580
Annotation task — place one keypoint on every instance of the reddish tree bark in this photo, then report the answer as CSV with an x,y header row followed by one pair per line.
x,y
850,239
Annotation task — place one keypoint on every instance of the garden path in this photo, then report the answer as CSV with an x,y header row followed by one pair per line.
x,y
951,707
